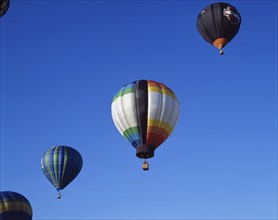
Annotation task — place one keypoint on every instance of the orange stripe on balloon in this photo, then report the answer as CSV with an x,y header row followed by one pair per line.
x,y
160,124
161,88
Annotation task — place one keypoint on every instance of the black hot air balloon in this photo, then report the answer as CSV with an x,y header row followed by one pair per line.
x,y
4,5
218,24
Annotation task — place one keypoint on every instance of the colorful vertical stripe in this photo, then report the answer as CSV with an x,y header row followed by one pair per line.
x,y
124,115
163,112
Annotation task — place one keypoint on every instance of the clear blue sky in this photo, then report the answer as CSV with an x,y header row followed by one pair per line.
x,y
63,61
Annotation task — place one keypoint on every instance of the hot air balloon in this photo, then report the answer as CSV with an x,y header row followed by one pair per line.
x,y
145,112
4,5
14,206
61,164
218,24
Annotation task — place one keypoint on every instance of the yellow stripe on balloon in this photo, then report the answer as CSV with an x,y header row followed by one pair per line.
x,y
162,124
15,206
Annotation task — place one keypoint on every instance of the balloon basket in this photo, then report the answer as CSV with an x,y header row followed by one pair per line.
x,y
145,165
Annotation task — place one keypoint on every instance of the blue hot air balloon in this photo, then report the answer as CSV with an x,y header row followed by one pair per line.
x,y
61,164
14,206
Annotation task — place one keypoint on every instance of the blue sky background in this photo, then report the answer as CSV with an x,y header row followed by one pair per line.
x,y
62,63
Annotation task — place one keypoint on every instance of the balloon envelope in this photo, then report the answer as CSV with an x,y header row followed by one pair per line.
x,y
4,5
219,23
61,164
145,112
14,206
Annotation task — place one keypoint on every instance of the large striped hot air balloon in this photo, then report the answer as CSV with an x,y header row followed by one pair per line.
x,y
218,24
145,112
14,206
61,164
4,5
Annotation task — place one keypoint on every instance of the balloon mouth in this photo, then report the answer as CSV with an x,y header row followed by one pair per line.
x,y
145,151
220,43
